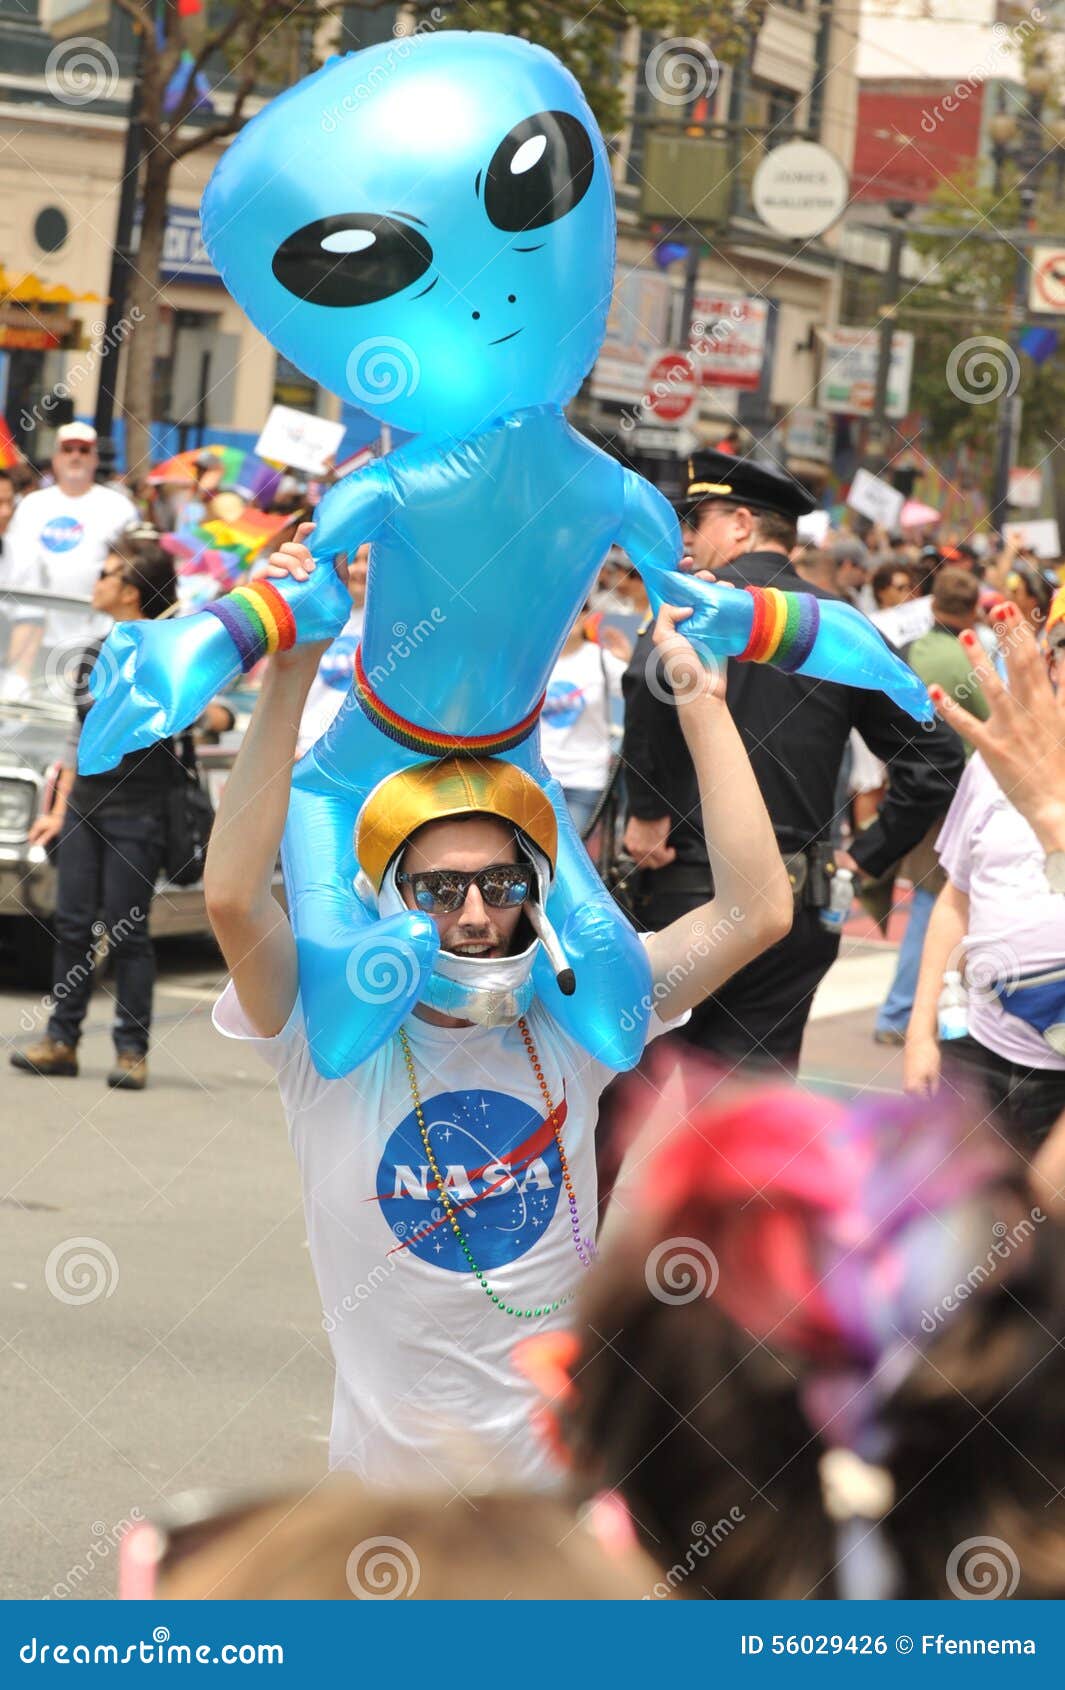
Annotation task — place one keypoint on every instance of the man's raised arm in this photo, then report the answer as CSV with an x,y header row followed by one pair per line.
x,y
251,927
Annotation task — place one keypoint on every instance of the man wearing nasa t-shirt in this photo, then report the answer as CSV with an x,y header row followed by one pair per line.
x,y
57,542
449,1181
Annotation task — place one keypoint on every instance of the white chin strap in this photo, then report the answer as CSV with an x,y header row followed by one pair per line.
x,y
492,991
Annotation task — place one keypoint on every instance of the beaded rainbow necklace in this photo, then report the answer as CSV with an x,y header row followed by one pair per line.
x,y
586,1251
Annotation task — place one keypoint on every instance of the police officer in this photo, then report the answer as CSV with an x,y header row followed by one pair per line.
x,y
739,522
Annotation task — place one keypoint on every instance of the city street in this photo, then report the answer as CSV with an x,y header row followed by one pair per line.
x,y
186,1352
203,1362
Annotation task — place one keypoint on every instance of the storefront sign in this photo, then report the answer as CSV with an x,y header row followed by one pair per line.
x,y
637,330
848,372
184,257
28,340
728,339
807,433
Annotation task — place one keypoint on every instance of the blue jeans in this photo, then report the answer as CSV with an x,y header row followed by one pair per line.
x,y
895,1010
581,802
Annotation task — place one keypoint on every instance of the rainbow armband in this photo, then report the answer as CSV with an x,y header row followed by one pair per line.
x,y
258,621
784,629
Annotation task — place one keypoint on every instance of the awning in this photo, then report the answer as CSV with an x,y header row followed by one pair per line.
x,y
28,289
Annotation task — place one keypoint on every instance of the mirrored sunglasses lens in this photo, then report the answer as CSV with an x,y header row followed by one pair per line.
x,y
505,888
440,892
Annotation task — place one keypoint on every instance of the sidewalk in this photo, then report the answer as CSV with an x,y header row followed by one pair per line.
x,y
838,1050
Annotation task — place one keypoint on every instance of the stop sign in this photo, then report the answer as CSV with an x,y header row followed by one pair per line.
x,y
671,387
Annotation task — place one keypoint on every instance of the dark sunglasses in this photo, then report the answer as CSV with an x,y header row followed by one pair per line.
x,y
110,574
80,446
501,885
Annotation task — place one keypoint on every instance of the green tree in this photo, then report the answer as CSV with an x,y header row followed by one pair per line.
x,y
970,294
595,43
246,46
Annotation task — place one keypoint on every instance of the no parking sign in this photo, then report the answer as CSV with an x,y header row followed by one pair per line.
x,y
1046,287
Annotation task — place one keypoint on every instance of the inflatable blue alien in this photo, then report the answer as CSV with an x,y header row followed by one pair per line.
x,y
428,227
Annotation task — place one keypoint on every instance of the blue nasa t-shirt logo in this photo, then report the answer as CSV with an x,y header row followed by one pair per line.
x,y
562,705
338,663
62,534
499,1162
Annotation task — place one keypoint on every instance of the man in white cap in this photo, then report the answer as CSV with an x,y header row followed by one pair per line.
x,y
449,1181
58,540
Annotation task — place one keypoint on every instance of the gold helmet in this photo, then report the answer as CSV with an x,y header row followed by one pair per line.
x,y
1056,619
455,786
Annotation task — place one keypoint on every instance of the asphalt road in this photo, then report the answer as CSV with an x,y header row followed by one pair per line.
x,y
159,1326
177,1346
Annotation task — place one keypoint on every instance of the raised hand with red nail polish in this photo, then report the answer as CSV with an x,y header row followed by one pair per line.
x,y
1023,740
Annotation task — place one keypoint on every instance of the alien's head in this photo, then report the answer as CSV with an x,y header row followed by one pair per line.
x,y
426,228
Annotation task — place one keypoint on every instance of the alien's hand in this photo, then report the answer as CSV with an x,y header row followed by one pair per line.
x,y
151,680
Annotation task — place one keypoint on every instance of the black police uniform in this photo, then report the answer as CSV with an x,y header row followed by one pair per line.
x,y
795,730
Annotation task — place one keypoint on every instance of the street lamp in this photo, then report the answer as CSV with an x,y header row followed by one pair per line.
x,y
1019,137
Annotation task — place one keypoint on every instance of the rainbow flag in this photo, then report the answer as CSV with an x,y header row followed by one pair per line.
x,y
242,472
223,550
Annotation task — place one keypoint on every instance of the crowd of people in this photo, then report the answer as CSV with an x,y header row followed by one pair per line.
x,y
691,1331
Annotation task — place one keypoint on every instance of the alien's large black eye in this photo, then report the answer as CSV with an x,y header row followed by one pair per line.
x,y
351,259
539,172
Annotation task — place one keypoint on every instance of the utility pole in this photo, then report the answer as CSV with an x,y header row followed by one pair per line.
x,y
878,444
121,266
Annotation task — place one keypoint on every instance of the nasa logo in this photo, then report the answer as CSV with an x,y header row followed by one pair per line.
x,y
338,663
62,534
498,1158
563,704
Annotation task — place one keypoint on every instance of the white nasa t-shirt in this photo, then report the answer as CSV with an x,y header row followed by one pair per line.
x,y
56,544
424,1381
574,731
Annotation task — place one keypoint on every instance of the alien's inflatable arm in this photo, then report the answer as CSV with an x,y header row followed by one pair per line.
x,y
822,638
153,679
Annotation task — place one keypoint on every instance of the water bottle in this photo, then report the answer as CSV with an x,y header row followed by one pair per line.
x,y
840,899
953,1007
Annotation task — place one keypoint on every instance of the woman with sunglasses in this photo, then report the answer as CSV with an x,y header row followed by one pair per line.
x,y
111,832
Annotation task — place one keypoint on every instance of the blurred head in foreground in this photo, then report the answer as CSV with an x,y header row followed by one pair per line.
x,y
340,1542
822,1358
